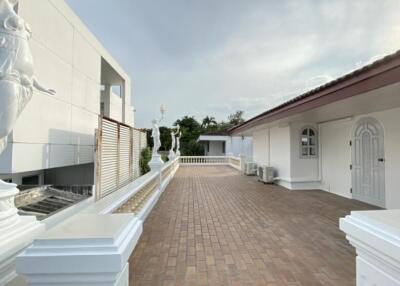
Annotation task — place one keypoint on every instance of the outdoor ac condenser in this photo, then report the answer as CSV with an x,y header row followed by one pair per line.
x,y
266,174
250,168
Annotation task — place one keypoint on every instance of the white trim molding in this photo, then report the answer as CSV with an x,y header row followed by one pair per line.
x,y
299,183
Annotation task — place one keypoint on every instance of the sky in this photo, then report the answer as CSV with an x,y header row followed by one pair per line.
x,y
213,57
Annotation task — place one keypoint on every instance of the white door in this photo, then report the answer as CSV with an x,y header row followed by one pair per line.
x,y
368,162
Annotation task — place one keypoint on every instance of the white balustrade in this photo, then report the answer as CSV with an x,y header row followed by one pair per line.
x,y
232,161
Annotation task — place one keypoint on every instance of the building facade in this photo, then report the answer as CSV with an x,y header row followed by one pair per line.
x,y
54,136
342,137
224,144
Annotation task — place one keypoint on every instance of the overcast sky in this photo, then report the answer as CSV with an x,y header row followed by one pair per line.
x,y
212,57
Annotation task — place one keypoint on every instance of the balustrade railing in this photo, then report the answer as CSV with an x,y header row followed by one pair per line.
x,y
210,160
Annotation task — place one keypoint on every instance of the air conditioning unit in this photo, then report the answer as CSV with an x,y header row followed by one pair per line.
x,y
250,168
265,174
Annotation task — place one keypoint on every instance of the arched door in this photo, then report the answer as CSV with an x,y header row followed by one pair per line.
x,y
368,162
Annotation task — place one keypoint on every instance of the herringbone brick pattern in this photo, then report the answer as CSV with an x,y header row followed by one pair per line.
x,y
213,226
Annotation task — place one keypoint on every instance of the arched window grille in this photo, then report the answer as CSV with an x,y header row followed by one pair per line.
x,y
308,143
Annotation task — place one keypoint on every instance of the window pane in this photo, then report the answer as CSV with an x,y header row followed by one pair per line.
x,y
311,132
304,140
304,132
312,151
304,151
312,141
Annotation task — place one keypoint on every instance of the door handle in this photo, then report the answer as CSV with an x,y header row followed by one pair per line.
x,y
381,159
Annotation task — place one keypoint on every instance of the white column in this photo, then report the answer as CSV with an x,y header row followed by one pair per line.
x,y
16,232
242,162
376,237
123,97
89,249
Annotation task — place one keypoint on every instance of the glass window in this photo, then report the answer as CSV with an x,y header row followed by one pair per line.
x,y
308,142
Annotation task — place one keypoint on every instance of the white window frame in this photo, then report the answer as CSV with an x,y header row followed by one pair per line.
x,y
308,146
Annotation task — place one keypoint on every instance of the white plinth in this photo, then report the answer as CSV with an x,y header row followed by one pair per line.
x,y
243,161
376,237
156,163
89,249
171,155
13,240
16,232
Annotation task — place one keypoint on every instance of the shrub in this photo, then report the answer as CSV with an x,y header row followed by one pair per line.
x,y
164,158
145,157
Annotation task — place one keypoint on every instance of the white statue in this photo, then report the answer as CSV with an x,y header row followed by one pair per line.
x,y
156,162
17,82
155,134
17,79
172,141
178,144
171,155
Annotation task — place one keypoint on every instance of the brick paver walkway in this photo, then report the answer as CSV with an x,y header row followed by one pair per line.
x,y
213,226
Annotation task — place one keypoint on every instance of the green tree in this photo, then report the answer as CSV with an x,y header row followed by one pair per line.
x,y
208,121
236,118
191,130
165,137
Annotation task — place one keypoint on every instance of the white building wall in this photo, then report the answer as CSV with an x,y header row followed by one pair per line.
x,y
335,153
215,148
331,170
390,120
115,107
241,146
261,147
58,130
302,170
234,145
280,151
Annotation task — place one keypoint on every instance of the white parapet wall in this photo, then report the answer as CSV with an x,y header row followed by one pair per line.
x,y
376,237
93,246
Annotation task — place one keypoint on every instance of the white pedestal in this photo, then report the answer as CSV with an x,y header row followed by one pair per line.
x,y
16,232
156,163
89,249
178,153
376,237
243,161
171,155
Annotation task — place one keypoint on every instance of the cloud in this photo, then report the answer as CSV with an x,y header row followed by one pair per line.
x,y
214,57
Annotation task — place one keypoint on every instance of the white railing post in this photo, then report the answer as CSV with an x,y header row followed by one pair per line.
x,y
16,232
243,161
